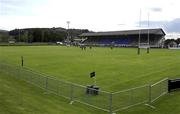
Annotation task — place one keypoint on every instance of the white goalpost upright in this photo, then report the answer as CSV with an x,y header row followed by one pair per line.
x,y
144,45
148,36
139,40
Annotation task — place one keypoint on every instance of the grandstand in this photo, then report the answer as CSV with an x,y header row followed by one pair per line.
x,y
128,38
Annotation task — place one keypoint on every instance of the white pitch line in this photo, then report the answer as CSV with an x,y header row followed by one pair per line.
x,y
71,102
150,106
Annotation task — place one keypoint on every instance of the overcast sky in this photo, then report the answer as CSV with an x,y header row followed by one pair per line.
x,y
95,15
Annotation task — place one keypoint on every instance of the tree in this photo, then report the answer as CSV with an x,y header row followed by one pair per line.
x,y
178,41
167,42
44,34
4,36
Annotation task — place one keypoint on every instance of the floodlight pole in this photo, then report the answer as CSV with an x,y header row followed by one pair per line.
x,y
27,36
139,33
19,34
42,35
68,37
148,36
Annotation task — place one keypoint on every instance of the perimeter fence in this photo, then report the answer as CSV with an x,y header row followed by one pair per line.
x,y
106,101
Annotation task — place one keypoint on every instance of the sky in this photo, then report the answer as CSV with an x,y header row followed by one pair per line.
x,y
95,15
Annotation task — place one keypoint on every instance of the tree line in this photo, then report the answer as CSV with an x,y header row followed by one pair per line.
x,y
4,36
45,34
169,42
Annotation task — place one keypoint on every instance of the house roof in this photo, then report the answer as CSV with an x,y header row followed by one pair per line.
x,y
157,31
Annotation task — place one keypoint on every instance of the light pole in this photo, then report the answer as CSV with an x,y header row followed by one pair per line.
x,y
19,34
42,35
68,36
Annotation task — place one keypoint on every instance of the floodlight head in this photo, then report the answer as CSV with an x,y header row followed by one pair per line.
x,y
68,22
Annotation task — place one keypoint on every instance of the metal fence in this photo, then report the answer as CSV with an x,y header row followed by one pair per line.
x,y
106,101
158,89
131,97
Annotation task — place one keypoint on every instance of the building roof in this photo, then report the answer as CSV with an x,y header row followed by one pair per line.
x,y
157,31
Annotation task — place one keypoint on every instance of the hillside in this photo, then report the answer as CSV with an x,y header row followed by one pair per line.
x,y
45,34
4,35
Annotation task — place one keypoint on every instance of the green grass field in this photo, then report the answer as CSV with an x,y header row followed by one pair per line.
x,y
117,69
18,97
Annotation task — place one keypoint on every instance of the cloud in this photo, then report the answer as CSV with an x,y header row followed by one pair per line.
x,y
10,7
20,7
13,2
168,26
174,25
156,9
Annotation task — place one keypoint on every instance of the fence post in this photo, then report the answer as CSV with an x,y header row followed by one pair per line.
x,y
72,91
30,80
46,85
1,67
131,96
19,73
22,61
167,85
110,103
150,93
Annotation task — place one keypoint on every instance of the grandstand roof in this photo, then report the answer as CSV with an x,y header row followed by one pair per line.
x,y
157,31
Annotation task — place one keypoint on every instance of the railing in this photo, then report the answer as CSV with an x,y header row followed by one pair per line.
x,y
106,101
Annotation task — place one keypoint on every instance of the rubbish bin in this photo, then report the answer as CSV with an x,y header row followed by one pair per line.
x,y
92,90
89,89
96,90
